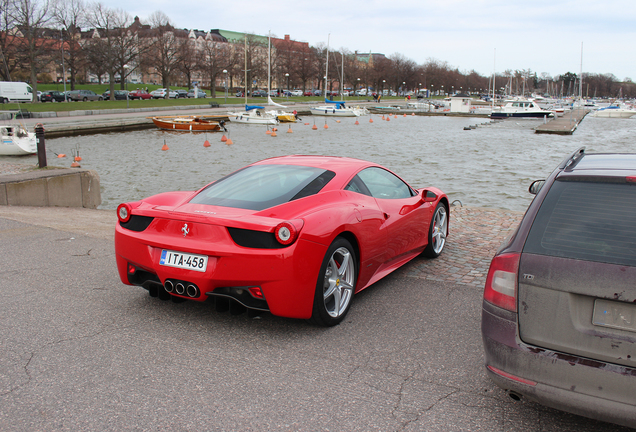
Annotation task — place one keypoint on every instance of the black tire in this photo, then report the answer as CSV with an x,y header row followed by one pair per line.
x,y
101,98
85,99
437,231
334,292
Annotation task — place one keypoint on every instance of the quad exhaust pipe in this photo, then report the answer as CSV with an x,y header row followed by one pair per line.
x,y
181,288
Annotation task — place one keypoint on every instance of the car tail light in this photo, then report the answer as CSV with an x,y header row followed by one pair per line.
x,y
256,292
501,282
124,212
287,232
511,376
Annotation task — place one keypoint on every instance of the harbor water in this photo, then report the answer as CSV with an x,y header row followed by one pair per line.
x,y
489,166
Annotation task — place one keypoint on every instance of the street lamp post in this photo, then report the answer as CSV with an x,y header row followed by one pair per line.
x,y
403,88
225,81
126,67
358,89
287,92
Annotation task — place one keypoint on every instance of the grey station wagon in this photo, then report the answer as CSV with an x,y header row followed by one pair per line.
x,y
559,308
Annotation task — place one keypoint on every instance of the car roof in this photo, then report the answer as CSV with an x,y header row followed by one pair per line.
x,y
333,163
604,165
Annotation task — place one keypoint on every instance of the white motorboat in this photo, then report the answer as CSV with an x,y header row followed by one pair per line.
x,y
337,109
17,141
614,111
521,108
253,115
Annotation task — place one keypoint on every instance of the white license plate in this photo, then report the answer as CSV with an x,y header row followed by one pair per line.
x,y
183,260
614,314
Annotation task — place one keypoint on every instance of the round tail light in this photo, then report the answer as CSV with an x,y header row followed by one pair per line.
x,y
124,212
286,233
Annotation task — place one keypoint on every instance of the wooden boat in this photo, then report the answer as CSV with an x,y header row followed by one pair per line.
x,y
16,141
189,123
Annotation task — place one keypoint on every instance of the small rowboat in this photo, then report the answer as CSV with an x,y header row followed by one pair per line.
x,y
189,123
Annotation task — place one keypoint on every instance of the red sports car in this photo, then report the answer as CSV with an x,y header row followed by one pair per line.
x,y
293,235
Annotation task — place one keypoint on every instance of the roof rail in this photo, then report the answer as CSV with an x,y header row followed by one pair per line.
x,y
573,159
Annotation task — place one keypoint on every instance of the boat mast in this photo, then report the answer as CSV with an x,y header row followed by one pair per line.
x,y
342,78
493,78
245,35
327,65
269,61
581,77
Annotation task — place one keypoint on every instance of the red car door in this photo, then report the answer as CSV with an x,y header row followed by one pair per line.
x,y
406,216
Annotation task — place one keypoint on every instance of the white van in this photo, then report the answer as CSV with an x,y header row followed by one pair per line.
x,y
15,92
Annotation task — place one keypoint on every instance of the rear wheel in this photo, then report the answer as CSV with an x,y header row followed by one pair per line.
x,y
85,99
335,285
437,232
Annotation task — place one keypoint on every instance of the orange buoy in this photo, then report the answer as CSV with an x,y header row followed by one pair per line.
x,y
395,116
229,142
77,158
61,155
326,126
404,114
273,133
370,120
206,143
306,124
382,116
223,138
357,122
314,127
275,129
268,132
412,114
290,130
388,118
337,121
75,164
165,146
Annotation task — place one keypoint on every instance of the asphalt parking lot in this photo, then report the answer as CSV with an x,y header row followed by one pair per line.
x,y
82,351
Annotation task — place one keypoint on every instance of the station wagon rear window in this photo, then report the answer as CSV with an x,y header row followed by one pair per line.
x,y
263,186
588,221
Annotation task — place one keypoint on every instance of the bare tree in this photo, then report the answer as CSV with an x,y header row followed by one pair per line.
x,y
104,45
7,43
188,59
31,17
215,57
70,16
163,53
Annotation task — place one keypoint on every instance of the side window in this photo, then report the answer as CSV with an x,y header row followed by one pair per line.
x,y
384,185
357,185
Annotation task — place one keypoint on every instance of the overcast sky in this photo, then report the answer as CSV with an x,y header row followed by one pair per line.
x,y
481,35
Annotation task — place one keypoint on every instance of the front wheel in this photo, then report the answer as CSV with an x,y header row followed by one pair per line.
x,y
335,285
437,232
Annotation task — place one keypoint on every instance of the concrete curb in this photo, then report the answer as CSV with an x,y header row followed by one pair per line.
x,y
57,187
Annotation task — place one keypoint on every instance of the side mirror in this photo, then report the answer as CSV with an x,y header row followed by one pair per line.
x,y
536,186
428,196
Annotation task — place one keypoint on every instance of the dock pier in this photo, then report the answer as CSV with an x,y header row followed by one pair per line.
x,y
565,125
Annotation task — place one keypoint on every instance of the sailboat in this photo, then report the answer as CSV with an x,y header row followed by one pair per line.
x,y
281,115
336,108
15,140
253,114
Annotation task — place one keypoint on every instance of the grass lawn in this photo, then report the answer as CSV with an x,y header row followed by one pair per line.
x,y
108,104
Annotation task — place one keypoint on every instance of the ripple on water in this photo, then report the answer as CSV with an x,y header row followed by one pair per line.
x,y
490,166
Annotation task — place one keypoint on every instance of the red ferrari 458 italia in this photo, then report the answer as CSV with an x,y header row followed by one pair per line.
x,y
295,235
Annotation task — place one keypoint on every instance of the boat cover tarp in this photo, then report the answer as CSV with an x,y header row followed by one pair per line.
x,y
251,107
339,104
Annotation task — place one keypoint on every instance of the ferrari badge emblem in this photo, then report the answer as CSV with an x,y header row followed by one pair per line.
x,y
185,230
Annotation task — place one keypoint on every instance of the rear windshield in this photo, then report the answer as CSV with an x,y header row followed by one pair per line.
x,y
588,221
263,186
